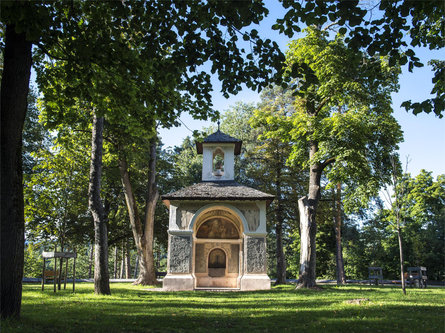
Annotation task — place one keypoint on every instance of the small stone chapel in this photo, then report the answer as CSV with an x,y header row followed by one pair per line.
x,y
217,228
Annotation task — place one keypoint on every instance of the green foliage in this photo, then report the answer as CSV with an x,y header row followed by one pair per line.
x,y
422,219
33,261
342,106
35,136
392,29
421,205
56,192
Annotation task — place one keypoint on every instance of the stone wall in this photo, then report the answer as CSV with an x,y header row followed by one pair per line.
x,y
180,254
255,254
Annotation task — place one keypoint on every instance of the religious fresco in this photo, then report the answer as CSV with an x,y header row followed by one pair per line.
x,y
218,228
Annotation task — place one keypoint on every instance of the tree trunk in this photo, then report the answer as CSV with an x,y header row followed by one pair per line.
x,y
143,235
281,261
127,260
307,207
341,277
90,262
121,271
62,244
115,263
14,95
101,277
136,265
402,275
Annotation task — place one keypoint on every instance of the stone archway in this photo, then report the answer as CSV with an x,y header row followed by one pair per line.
x,y
217,238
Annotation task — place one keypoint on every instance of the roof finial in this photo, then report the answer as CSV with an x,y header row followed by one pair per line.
x,y
218,124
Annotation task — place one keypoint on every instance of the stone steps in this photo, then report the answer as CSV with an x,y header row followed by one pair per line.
x,y
216,289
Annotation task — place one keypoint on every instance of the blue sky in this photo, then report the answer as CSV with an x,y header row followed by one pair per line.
x,y
424,134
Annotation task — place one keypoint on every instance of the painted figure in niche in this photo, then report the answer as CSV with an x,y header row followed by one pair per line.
x,y
218,162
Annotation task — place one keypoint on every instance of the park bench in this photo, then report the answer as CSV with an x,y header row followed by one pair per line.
x,y
417,277
160,275
375,275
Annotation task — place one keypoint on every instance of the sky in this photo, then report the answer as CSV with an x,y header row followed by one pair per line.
x,y
424,134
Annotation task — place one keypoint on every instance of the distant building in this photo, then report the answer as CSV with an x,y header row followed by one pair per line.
x,y
217,228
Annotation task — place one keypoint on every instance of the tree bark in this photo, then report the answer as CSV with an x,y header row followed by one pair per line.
x,y
90,261
402,275
281,261
399,231
341,276
143,234
127,260
307,207
115,262
101,277
136,265
122,269
14,94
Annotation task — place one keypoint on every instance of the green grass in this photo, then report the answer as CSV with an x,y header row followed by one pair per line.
x,y
133,309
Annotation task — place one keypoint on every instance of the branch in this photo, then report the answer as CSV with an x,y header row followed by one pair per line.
x,y
45,51
327,162
329,25
320,106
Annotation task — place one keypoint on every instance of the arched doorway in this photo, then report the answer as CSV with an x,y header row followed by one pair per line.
x,y
217,263
217,249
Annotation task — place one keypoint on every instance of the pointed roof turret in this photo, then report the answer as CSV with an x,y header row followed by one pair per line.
x,y
220,137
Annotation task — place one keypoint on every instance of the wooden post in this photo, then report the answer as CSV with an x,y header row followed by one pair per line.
x,y
66,272
43,274
74,272
59,278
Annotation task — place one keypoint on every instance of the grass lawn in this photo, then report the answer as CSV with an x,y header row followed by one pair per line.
x,y
133,309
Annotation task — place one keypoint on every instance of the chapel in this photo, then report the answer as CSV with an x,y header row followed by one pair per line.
x,y
217,228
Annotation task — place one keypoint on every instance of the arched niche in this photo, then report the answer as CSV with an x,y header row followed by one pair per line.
x,y
218,162
217,263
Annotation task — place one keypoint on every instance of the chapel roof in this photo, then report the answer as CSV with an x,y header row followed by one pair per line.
x,y
220,137
220,190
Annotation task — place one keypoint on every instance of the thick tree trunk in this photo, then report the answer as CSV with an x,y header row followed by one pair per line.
x,y
147,273
308,230
281,261
307,207
101,277
143,235
341,276
14,94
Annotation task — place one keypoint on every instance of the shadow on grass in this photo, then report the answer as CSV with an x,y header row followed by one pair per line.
x,y
130,309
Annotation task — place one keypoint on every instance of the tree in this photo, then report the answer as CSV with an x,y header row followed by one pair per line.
x,y
150,82
387,28
95,205
417,210
276,175
14,93
338,219
343,120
